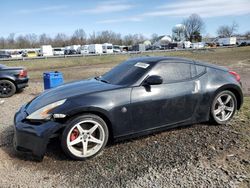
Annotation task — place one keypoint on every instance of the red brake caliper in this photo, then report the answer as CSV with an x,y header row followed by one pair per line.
x,y
74,134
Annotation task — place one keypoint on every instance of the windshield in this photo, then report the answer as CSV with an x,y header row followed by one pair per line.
x,y
126,73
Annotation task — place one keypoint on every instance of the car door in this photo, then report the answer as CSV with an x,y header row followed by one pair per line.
x,y
171,102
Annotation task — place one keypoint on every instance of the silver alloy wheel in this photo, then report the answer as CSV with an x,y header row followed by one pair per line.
x,y
224,107
85,138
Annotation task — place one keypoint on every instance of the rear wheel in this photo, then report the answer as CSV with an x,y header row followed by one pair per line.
x,y
223,107
7,88
84,137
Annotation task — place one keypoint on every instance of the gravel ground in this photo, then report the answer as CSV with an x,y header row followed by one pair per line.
x,y
194,156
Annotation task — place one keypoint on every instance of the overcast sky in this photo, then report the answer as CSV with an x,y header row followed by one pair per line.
x,y
123,16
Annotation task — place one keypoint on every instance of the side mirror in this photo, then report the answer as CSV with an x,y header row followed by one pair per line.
x,y
153,80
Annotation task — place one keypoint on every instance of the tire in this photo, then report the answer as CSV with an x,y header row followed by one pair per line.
x,y
84,137
7,88
223,107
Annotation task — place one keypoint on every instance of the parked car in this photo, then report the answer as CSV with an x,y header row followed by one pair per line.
x,y
58,51
138,97
30,54
4,54
70,52
116,49
17,54
12,80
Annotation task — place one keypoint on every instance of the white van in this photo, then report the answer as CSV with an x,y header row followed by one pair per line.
x,y
95,49
46,50
107,48
84,49
58,51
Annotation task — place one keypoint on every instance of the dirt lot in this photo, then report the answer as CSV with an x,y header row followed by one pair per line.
x,y
199,155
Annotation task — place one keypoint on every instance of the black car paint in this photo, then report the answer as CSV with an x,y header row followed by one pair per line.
x,y
129,110
12,74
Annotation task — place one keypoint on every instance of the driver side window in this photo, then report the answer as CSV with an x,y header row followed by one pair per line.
x,y
173,72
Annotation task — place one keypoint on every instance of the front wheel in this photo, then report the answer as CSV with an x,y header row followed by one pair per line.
x,y
223,107
84,137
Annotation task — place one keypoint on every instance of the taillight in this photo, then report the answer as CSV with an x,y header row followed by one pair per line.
x,y
23,74
236,76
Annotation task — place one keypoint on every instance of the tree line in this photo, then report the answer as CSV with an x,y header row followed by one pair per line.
x,y
62,40
192,28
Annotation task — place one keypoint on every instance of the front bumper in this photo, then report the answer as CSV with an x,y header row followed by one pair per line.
x,y
32,138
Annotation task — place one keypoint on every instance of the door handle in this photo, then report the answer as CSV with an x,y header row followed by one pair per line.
x,y
197,86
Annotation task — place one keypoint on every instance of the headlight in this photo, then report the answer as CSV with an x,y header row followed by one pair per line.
x,y
44,112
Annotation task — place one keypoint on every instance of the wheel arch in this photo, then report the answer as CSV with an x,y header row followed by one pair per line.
x,y
235,90
96,111
9,79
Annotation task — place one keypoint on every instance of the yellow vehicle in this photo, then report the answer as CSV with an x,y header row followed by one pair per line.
x,y
31,54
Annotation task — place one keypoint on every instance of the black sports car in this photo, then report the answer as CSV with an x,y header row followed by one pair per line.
x,y
12,79
137,97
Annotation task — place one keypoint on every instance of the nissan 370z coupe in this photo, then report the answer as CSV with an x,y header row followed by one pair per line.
x,y
137,97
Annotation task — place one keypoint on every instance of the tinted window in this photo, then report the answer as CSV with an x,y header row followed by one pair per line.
x,y
172,72
126,73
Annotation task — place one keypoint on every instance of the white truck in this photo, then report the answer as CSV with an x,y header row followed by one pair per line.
x,y
95,49
46,50
197,45
58,51
84,49
228,41
107,48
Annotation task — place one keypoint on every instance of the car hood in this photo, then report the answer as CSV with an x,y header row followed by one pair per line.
x,y
66,91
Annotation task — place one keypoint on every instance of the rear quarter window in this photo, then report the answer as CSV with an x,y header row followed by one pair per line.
x,y
200,69
173,72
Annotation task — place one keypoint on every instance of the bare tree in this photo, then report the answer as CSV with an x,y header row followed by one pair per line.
x,y
194,25
133,39
154,38
79,37
105,37
22,42
44,39
60,40
128,40
2,43
92,38
11,40
226,30
32,39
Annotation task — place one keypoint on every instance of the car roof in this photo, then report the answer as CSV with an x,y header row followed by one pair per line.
x,y
155,59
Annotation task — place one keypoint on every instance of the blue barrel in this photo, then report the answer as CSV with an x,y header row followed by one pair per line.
x,y
52,79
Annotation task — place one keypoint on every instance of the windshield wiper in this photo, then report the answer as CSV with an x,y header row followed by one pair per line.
x,y
102,80
105,81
